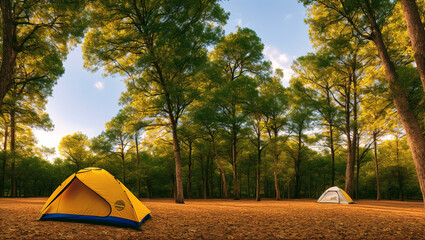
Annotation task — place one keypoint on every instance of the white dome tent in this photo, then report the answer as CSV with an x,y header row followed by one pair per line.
x,y
335,195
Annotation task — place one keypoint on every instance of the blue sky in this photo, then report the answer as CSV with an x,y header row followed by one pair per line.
x,y
83,101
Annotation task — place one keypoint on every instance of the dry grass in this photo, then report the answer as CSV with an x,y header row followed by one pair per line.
x,y
228,219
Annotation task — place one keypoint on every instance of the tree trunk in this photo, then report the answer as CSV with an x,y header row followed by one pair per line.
x,y
349,180
221,186
204,181
257,192
289,190
3,170
410,122
297,181
276,182
189,176
309,184
357,177
356,137
13,154
211,170
355,140
179,196
375,154
349,171
220,165
204,177
358,161
9,52
275,166
400,184
136,141
207,173
416,32
248,192
399,171
177,158
236,195
332,153
331,138
123,166
297,167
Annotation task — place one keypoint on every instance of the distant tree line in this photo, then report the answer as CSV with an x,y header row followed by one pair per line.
x,y
204,114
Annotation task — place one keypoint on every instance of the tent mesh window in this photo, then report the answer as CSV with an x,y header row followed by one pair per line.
x,y
330,197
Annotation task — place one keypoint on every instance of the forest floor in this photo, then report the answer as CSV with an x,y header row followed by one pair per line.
x,y
229,219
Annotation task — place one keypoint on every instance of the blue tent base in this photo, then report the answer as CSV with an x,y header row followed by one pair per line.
x,y
114,221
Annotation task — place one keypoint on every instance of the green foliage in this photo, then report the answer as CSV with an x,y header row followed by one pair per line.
x,y
75,149
223,104
397,172
159,47
44,31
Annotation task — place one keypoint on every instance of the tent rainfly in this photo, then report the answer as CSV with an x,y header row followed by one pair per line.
x,y
94,195
335,195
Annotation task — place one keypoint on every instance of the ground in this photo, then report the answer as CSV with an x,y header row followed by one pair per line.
x,y
230,219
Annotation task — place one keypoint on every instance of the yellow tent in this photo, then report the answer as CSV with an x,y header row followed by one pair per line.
x,y
94,195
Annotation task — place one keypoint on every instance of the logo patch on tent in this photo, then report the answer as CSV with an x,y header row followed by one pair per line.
x,y
119,205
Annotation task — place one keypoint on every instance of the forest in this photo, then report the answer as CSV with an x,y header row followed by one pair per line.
x,y
204,113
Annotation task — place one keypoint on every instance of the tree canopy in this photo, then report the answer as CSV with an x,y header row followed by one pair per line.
x,y
205,115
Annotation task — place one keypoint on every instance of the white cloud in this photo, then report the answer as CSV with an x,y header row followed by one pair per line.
x,y
99,85
280,60
287,74
287,17
240,22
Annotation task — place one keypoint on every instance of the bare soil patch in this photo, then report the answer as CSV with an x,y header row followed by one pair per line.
x,y
229,219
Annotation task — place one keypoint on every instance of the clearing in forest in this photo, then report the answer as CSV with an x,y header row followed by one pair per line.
x,y
229,219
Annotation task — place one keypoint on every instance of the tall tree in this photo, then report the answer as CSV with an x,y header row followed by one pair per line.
x,y
76,149
119,139
352,74
316,73
276,103
239,56
36,37
137,130
136,138
367,19
257,120
377,118
416,31
300,119
25,102
205,116
189,134
37,28
5,124
160,47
